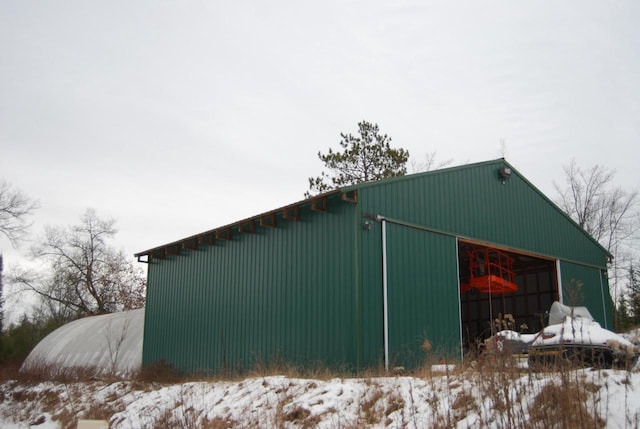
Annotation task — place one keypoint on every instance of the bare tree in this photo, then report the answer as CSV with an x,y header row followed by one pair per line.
x,y
429,163
15,209
609,213
1,296
503,150
115,337
55,309
606,212
86,275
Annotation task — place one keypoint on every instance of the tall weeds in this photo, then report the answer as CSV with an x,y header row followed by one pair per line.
x,y
493,391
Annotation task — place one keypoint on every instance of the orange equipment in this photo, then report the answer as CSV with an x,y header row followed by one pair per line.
x,y
490,271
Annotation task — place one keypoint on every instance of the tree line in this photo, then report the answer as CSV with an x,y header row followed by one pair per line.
x,y
78,272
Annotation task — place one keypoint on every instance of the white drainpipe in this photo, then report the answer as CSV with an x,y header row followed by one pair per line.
x,y
385,304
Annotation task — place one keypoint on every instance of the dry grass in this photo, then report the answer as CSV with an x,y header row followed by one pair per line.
x,y
159,372
103,410
463,404
9,371
563,406
277,365
40,371
493,388
370,412
301,417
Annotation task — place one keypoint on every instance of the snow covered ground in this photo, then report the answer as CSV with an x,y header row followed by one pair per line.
x,y
473,398
499,391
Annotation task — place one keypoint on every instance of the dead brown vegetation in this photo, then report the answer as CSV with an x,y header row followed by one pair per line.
x,y
492,390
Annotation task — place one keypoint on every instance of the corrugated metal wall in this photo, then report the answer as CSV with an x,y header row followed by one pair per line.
x,y
587,286
423,298
423,295
311,290
280,293
471,201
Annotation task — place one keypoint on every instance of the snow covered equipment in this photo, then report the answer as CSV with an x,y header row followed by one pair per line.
x,y
581,341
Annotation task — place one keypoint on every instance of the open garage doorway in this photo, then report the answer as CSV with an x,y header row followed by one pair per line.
x,y
519,302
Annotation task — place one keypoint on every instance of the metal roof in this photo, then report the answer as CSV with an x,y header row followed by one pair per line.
x,y
290,211
318,203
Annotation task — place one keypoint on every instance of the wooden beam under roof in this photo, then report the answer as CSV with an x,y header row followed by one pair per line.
x,y
350,197
291,213
190,244
207,239
224,234
268,220
173,249
247,226
319,204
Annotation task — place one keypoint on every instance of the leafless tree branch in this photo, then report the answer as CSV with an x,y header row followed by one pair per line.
x,y
15,209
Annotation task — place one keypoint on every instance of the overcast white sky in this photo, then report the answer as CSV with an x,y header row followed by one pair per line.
x,y
177,117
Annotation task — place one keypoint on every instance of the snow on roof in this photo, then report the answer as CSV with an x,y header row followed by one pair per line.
x,y
109,343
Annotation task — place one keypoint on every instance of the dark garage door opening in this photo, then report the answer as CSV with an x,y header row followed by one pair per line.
x,y
527,307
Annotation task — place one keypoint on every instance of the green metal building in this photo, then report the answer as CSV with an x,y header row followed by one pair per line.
x,y
362,276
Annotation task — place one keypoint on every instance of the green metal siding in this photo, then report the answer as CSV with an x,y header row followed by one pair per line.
x,y
311,290
280,293
588,287
423,297
472,202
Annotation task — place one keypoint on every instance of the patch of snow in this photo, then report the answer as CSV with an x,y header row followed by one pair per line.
x,y
516,336
633,335
456,399
443,368
558,312
578,330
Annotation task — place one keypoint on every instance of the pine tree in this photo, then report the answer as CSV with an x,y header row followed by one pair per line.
x,y
622,317
634,295
366,157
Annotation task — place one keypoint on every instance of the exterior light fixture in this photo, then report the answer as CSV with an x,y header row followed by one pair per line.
x,y
505,174
367,225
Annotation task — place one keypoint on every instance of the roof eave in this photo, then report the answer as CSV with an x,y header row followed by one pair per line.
x,y
314,201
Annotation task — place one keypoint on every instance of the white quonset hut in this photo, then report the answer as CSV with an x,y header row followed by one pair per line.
x,y
109,343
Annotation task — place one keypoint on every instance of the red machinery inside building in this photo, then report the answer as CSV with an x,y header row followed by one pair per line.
x,y
490,271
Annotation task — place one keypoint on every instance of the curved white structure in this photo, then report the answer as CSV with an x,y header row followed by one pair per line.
x,y
110,343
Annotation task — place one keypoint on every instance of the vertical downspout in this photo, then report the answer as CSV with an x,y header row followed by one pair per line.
x,y
559,276
146,323
459,299
385,304
358,287
604,307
